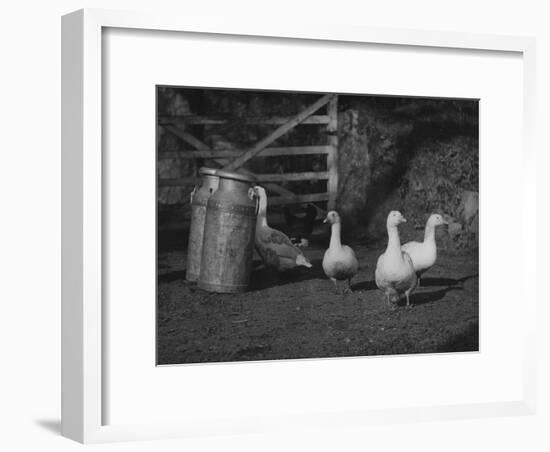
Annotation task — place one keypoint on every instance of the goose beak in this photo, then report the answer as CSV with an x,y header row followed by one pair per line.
x,y
325,220
403,220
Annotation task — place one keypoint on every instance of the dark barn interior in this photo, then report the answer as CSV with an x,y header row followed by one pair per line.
x,y
362,156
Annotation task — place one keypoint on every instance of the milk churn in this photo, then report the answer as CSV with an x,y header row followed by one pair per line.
x,y
229,230
199,198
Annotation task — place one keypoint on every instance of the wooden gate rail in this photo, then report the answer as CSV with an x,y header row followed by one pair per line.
x,y
299,199
219,162
288,177
212,120
277,133
229,153
234,159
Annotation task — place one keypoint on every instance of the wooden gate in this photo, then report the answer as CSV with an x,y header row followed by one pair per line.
x,y
234,159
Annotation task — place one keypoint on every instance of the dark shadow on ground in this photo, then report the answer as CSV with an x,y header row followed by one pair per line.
x,y
172,276
171,240
364,285
264,278
429,282
420,298
451,283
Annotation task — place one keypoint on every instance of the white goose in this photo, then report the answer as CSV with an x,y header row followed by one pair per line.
x,y
424,254
275,248
339,261
394,274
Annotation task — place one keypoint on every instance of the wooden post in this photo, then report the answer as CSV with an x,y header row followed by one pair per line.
x,y
332,156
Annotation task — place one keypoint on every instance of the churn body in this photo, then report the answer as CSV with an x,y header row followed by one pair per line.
x,y
199,199
229,231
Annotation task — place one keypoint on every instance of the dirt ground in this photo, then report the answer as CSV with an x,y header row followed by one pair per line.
x,y
298,315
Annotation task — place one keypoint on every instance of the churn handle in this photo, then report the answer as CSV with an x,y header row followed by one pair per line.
x,y
193,193
253,196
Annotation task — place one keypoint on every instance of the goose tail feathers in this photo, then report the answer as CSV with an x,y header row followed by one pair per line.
x,y
301,260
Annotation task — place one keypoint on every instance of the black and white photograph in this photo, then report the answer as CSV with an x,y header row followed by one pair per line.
x,y
248,226
296,225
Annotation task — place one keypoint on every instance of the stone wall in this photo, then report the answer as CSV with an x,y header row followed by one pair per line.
x,y
414,155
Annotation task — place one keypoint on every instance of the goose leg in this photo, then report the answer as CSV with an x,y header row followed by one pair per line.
x,y
348,289
335,285
391,304
409,305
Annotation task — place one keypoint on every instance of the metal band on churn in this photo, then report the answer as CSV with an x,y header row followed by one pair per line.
x,y
199,200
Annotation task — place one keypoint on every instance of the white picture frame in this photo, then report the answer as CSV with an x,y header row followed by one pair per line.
x,y
83,347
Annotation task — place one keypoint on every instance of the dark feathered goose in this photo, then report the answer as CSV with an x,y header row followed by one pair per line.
x,y
275,248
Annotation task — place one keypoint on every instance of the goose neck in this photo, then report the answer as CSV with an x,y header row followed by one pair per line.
x,y
262,211
335,236
394,243
429,233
